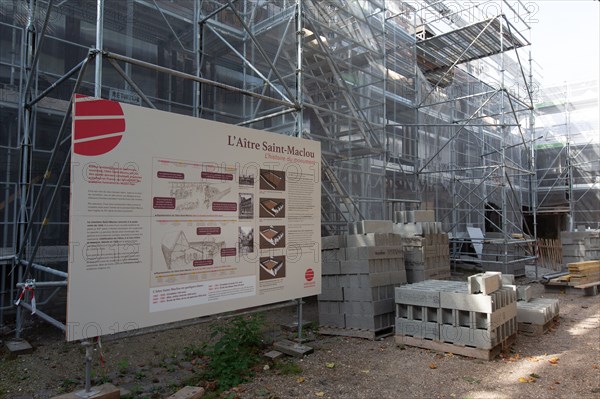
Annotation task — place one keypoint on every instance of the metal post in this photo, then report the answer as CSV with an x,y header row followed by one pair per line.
x,y
87,393
99,46
300,320
299,83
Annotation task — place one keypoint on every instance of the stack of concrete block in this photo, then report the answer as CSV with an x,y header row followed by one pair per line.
x,y
493,258
426,246
535,315
457,317
359,274
579,246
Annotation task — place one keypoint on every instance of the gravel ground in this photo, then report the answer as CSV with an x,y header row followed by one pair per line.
x,y
564,363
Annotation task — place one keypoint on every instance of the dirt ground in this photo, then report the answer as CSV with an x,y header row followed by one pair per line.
x,y
563,363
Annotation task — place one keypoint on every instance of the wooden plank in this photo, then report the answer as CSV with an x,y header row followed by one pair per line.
x,y
478,353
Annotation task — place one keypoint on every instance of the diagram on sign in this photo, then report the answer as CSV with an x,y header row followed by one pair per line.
x,y
272,267
272,237
272,180
272,208
195,195
179,253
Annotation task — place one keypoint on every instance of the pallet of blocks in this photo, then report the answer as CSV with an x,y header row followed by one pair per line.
x,y
426,246
579,246
359,274
535,316
476,318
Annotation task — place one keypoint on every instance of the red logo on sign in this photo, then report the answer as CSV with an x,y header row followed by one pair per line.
x,y
309,275
98,125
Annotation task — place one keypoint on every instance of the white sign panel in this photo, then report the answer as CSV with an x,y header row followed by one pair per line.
x,y
174,217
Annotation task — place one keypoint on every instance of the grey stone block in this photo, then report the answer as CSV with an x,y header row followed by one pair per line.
x,y
484,283
524,293
333,242
331,294
508,279
417,296
416,328
537,311
386,252
330,268
374,226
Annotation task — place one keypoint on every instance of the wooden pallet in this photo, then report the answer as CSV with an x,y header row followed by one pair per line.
x,y
356,333
589,289
535,330
469,351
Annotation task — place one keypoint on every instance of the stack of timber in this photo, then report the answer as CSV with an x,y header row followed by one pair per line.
x,y
582,275
360,272
475,319
584,272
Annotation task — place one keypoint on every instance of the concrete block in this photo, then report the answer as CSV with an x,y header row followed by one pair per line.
x,y
417,296
369,294
333,255
192,392
328,268
273,355
374,226
386,252
537,311
332,320
333,242
18,347
373,323
331,294
508,279
501,316
416,328
466,302
292,348
484,283
408,229
524,293
373,239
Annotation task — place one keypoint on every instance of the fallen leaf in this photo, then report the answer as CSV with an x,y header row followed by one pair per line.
x,y
432,366
330,365
320,394
553,361
300,379
523,379
557,382
534,375
594,366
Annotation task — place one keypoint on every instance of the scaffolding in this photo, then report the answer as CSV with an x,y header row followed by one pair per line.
x,y
416,105
568,158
